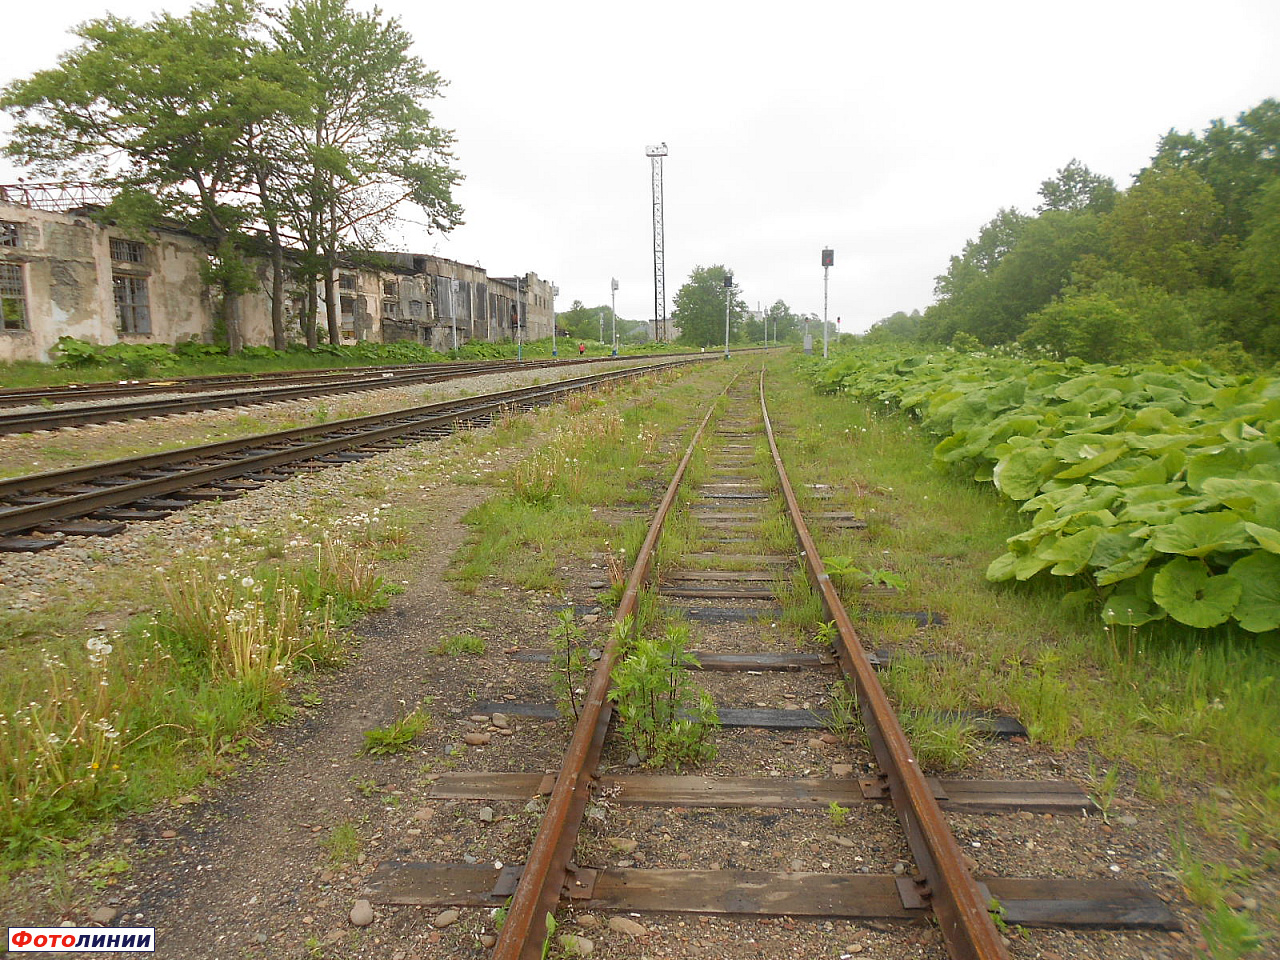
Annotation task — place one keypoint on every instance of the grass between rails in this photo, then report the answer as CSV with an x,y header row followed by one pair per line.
x,y
1195,720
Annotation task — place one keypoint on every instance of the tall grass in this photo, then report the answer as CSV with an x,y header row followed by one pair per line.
x,y
120,719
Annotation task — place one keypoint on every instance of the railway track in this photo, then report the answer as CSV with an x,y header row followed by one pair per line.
x,y
39,510
156,398
730,563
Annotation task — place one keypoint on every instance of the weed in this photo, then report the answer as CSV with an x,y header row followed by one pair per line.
x,y
342,843
666,718
1230,935
940,743
1104,788
398,736
842,716
461,643
571,663
837,813
366,786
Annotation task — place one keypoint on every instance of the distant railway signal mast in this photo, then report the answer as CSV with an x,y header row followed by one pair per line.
x,y
655,154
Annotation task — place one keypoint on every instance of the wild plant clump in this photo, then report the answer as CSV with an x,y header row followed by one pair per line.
x,y
666,717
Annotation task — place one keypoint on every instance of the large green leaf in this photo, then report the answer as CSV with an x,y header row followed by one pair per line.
x,y
1259,578
1130,610
1200,534
1242,493
1268,537
1071,554
1019,474
1193,595
1001,568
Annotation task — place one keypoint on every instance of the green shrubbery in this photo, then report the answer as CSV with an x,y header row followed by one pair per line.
x,y
1158,485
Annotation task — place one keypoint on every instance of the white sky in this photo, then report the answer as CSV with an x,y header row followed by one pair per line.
x,y
890,132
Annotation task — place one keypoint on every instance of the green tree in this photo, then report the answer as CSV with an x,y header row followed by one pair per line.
x,y
166,115
1076,188
1256,314
367,142
899,327
1166,229
1092,327
700,308
587,323
783,323
1237,160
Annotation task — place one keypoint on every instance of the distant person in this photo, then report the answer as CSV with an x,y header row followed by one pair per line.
x,y
582,348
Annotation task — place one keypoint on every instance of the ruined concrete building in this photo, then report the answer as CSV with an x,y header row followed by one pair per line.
x,y
64,274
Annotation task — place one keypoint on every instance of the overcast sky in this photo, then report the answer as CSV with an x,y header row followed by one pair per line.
x,y
890,132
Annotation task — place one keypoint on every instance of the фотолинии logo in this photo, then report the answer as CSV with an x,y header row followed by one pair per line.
x,y
82,940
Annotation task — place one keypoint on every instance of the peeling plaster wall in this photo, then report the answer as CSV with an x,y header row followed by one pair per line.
x,y
68,270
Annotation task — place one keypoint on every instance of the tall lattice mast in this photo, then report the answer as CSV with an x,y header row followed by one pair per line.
x,y
655,155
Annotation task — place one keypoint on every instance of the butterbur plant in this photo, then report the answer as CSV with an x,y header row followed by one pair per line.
x,y
668,720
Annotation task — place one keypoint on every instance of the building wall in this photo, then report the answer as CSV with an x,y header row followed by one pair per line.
x,y
69,278
77,278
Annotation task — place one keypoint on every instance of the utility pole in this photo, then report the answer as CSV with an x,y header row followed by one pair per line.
x,y
613,293
728,298
828,260
555,292
519,332
655,154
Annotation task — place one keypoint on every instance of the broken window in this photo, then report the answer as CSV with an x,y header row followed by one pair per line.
x,y
127,251
10,234
13,297
133,308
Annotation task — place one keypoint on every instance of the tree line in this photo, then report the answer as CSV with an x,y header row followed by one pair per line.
x,y
301,129
1186,261
699,312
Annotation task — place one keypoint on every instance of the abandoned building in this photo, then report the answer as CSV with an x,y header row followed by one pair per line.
x,y
64,274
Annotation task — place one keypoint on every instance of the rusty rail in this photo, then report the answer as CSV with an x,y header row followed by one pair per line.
x,y
952,892
547,868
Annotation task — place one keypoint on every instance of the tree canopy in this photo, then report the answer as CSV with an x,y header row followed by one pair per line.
x,y
234,119
1179,263
700,309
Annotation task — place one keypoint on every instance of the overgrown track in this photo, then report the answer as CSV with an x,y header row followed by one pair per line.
x,y
729,506
155,398
36,511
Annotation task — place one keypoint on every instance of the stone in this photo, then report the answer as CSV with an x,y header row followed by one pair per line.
x,y
853,948
488,940
576,946
830,738
424,814
591,618
633,759
500,721
103,915
1129,820
623,844
597,585
842,769
479,718
588,920
476,739
446,919
486,814
362,914
628,926
168,834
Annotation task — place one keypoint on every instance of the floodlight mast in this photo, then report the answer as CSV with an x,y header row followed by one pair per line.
x,y
655,153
